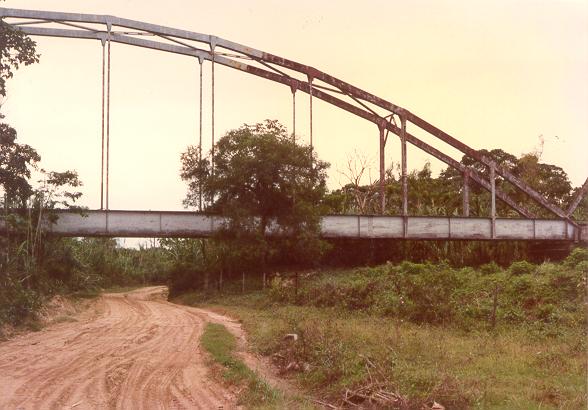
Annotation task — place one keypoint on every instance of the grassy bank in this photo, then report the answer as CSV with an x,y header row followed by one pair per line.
x,y
253,391
411,334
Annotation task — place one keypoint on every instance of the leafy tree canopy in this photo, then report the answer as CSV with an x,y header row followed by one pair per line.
x,y
16,160
261,177
16,49
428,195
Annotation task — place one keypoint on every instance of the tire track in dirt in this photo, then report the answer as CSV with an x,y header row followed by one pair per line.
x,y
137,352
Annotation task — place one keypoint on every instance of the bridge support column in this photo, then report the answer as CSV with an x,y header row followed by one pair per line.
x,y
212,46
493,200
103,111
293,89
382,170
466,193
200,61
404,176
108,124
310,115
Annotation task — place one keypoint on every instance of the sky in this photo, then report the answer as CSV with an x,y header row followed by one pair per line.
x,y
500,74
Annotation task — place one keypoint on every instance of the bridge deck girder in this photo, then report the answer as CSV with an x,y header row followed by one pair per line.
x,y
196,225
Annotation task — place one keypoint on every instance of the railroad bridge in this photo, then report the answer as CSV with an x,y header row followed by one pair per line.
x,y
387,117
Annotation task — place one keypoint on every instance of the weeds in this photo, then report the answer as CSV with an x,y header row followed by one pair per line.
x,y
428,332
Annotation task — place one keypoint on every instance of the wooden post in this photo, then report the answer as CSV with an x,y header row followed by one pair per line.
x,y
382,171
493,200
494,308
263,280
466,193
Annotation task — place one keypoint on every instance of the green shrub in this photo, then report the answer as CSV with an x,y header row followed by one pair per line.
x,y
437,294
578,255
522,268
489,268
17,303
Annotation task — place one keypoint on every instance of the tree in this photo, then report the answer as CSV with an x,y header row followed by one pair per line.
x,y
16,49
260,179
16,160
24,205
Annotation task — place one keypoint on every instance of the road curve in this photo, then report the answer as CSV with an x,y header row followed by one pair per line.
x,y
136,351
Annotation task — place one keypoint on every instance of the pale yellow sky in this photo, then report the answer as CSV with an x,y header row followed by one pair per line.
x,y
493,74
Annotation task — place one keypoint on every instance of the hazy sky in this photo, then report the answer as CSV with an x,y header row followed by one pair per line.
x,y
494,74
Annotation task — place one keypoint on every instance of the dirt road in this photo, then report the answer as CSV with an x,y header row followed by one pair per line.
x,y
130,351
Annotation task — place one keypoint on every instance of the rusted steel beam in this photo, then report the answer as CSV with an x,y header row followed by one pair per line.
x,y
103,115
382,170
329,79
309,71
577,198
466,194
200,63
404,166
459,166
404,176
310,114
305,87
510,177
108,125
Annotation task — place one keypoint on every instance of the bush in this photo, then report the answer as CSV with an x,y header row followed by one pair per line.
x,y
489,268
183,278
522,268
17,303
577,256
438,294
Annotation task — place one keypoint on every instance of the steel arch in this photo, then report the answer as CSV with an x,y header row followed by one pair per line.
x,y
278,69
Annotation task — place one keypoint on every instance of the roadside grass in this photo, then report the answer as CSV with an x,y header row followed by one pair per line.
x,y
381,326
423,363
256,393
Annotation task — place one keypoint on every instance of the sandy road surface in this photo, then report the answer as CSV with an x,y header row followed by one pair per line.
x,y
131,351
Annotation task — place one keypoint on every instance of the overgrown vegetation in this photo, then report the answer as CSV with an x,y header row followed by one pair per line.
x,y
33,264
259,179
442,195
484,338
80,267
421,328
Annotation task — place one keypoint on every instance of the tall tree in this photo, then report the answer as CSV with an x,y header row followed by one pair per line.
x,y
16,160
16,49
260,179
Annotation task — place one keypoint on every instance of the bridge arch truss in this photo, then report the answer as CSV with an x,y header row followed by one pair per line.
x,y
387,116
